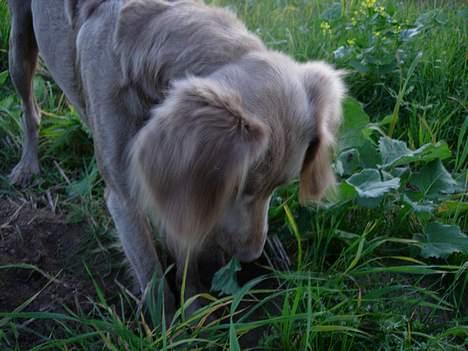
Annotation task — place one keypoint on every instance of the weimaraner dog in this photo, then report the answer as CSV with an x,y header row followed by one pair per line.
x,y
195,122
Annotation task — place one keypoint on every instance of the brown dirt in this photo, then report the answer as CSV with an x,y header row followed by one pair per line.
x,y
37,237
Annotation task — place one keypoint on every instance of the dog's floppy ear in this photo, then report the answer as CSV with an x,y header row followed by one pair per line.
x,y
325,89
193,155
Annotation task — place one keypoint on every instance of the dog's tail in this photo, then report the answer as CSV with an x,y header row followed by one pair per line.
x,y
326,90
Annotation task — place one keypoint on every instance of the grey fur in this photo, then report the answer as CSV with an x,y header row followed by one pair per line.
x,y
210,119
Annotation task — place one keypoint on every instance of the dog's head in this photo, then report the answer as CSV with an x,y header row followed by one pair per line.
x,y
212,154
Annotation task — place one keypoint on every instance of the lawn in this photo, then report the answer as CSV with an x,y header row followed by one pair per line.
x,y
381,264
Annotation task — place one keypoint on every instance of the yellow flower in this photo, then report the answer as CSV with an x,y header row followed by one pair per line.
x,y
369,3
351,42
325,27
377,34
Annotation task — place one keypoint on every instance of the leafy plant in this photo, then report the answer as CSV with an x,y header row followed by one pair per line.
x,y
415,180
376,37
441,240
225,280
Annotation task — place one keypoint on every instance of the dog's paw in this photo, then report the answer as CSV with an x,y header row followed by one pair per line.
x,y
23,173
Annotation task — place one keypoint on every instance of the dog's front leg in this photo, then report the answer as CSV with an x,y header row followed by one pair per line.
x,y
135,236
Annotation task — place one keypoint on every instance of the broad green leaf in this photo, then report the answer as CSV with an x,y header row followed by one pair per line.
x,y
432,181
355,121
441,240
396,153
369,155
400,171
418,207
345,192
461,180
348,162
225,280
392,150
369,185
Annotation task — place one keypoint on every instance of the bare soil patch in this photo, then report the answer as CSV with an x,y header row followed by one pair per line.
x,y
36,237
41,269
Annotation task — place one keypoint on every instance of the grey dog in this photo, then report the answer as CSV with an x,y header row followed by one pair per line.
x,y
195,122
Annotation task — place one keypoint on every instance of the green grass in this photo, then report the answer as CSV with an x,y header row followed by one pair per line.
x,y
4,33
358,280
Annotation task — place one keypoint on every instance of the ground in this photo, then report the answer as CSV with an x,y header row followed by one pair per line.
x,y
41,238
42,266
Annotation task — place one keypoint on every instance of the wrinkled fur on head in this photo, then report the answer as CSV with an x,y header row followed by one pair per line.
x,y
192,157
326,90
